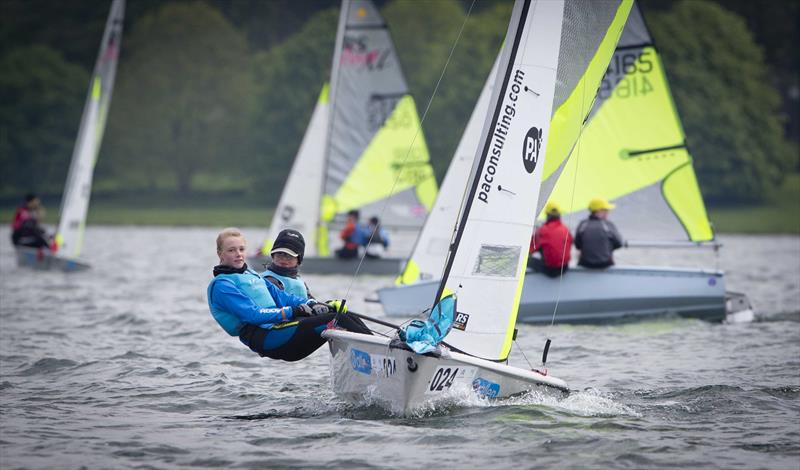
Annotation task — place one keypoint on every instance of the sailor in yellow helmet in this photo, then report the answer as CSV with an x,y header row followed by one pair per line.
x,y
597,237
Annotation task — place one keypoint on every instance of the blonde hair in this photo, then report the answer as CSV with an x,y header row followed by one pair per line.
x,y
226,233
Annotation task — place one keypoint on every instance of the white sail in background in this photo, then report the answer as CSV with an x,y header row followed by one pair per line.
x,y
430,249
357,152
554,57
75,202
377,159
298,207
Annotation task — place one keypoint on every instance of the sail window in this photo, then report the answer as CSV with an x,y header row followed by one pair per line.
x,y
494,260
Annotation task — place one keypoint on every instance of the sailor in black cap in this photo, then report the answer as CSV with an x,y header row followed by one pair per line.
x,y
287,255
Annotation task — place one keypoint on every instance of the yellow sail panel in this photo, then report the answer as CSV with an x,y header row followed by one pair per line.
x,y
266,247
388,166
322,240
568,117
409,275
682,193
97,86
634,141
324,94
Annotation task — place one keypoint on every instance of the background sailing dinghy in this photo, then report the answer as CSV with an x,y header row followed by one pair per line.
x,y
364,148
78,188
554,56
632,150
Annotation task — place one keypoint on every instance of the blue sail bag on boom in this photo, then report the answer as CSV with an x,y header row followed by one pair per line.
x,y
423,336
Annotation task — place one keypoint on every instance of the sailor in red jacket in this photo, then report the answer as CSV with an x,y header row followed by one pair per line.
x,y
553,241
25,228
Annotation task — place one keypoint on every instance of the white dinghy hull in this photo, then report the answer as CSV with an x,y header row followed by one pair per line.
x,y
371,369
594,296
43,260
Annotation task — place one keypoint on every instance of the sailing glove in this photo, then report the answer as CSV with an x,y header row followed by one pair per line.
x,y
302,310
320,308
337,305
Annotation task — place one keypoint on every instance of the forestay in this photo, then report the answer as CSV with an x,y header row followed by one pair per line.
x,y
78,188
633,150
551,65
377,159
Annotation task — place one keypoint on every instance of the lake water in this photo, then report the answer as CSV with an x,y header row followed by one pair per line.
x,y
122,366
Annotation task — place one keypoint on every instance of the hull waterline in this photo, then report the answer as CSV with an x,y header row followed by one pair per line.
x,y
43,260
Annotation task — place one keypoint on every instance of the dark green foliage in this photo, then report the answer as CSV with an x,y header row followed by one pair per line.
x,y
288,81
181,102
424,34
73,29
726,100
215,96
41,97
267,23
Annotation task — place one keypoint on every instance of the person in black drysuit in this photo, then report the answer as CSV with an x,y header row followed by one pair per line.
x,y
597,237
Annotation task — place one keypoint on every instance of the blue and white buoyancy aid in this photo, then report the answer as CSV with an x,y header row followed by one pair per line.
x,y
252,285
291,285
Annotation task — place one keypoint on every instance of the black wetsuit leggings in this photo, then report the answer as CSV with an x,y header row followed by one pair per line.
x,y
296,339
32,237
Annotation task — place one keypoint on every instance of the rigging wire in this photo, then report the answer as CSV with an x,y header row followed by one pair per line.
x,y
410,147
571,208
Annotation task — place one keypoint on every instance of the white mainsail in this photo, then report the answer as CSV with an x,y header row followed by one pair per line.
x,y
357,152
78,188
299,203
549,71
377,159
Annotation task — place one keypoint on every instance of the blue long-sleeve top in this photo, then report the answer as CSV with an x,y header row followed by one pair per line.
x,y
264,305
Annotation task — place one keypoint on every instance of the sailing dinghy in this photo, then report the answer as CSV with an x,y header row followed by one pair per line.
x,y
633,151
78,188
364,149
554,56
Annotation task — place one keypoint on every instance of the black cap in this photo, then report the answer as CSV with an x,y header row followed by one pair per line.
x,y
291,242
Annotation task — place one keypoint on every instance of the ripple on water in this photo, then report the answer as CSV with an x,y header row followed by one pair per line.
x,y
47,365
133,372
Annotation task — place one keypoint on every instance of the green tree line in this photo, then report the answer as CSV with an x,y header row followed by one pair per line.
x,y
214,96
